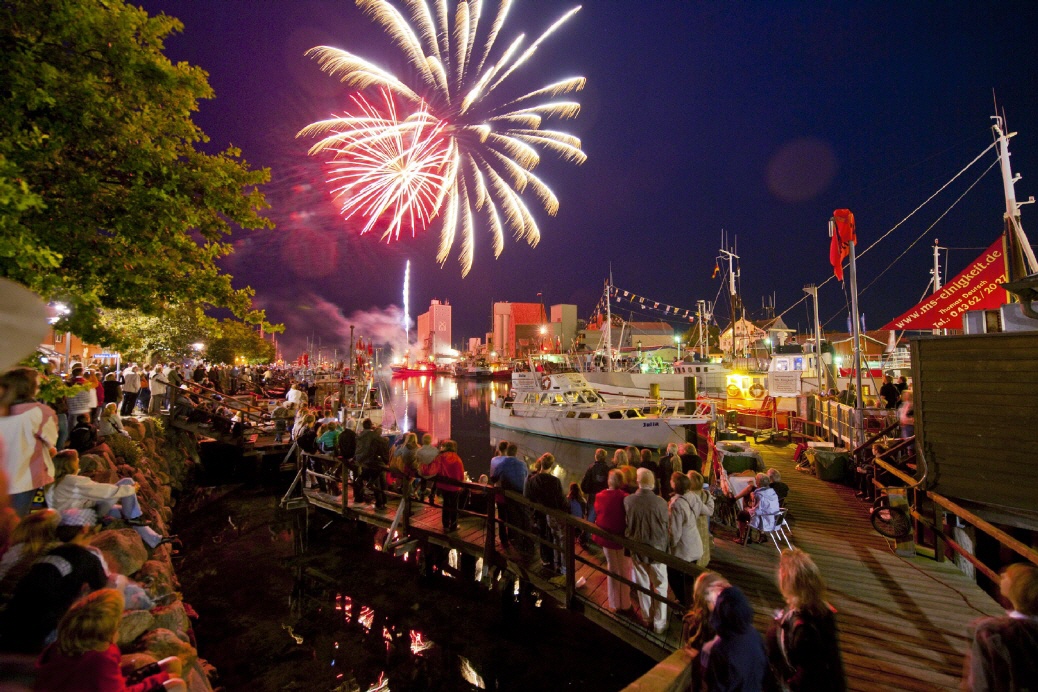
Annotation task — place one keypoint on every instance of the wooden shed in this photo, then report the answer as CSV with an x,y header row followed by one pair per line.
x,y
976,414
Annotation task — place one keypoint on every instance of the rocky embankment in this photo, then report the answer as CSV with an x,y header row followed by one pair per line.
x,y
163,463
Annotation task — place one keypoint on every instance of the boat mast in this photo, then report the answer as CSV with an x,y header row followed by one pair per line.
x,y
859,400
609,322
812,290
937,274
1012,215
731,256
702,312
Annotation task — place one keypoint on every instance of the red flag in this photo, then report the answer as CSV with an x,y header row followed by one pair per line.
x,y
841,228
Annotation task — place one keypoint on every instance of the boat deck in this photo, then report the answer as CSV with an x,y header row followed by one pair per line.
x,y
903,621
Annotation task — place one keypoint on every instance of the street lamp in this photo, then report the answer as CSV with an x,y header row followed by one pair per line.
x,y
677,342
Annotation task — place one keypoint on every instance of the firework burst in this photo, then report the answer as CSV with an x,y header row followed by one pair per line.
x,y
462,153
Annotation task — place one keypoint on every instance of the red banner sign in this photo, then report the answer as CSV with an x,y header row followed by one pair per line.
x,y
975,288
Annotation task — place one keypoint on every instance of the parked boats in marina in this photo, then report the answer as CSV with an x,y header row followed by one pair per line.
x,y
566,406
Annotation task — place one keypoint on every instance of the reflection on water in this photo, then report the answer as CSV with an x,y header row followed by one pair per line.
x,y
460,409
410,660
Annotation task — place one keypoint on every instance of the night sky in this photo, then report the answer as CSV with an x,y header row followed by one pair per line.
x,y
755,119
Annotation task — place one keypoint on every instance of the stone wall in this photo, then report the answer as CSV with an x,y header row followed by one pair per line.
x,y
163,463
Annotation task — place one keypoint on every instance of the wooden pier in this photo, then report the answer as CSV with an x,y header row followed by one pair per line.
x,y
903,620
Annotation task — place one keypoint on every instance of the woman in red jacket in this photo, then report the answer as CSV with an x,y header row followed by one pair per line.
x,y
85,657
450,466
611,516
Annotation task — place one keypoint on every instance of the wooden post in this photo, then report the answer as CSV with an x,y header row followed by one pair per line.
x,y
406,500
938,534
690,408
570,538
899,498
345,487
488,534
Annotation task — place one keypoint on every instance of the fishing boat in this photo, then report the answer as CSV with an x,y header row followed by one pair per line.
x,y
566,406
417,369
475,368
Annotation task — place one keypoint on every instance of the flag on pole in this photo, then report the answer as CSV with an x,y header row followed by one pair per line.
x,y
842,232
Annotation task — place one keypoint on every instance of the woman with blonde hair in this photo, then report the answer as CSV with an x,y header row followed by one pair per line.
x,y
696,630
85,656
630,476
111,423
802,642
620,458
703,518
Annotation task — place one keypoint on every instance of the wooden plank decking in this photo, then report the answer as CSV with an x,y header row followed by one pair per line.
x,y
903,621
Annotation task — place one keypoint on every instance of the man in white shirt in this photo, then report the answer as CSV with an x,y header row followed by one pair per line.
x,y
131,387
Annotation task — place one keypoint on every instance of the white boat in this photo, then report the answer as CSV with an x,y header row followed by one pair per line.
x,y
710,379
566,406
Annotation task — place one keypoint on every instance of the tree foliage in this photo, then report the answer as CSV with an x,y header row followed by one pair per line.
x,y
170,335
239,342
106,200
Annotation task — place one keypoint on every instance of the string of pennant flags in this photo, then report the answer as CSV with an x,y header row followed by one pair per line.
x,y
620,296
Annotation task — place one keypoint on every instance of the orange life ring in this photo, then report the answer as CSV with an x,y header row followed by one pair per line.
x,y
545,382
734,392
757,390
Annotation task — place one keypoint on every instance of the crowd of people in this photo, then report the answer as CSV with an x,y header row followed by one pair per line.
x,y
59,601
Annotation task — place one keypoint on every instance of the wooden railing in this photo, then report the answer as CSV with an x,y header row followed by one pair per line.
x,y
338,475
928,509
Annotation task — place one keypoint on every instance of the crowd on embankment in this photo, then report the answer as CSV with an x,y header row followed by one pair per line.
x,y
88,592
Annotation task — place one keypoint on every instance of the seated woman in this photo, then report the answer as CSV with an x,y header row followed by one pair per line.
x,y
761,513
85,656
111,423
116,501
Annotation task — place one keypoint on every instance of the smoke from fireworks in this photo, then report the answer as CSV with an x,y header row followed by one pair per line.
x,y
462,152
407,290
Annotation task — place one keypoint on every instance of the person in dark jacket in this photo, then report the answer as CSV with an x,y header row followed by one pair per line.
x,y
802,642
372,456
734,660
545,489
596,479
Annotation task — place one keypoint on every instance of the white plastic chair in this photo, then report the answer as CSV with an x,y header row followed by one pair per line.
x,y
778,532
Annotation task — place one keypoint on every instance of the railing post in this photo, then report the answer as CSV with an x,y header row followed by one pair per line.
x,y
938,533
571,573
406,499
345,487
488,536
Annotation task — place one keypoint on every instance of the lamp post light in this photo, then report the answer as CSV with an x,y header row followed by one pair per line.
x,y
677,342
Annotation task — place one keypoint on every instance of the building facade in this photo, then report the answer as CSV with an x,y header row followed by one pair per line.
x,y
434,329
